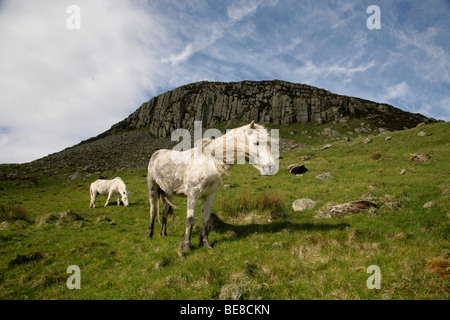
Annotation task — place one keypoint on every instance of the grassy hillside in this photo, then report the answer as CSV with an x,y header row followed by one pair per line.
x,y
262,249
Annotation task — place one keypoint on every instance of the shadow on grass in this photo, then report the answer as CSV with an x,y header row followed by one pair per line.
x,y
242,231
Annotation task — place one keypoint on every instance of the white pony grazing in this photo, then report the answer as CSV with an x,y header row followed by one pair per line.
x,y
109,187
197,173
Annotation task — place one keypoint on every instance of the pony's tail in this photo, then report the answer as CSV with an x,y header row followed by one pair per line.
x,y
90,193
163,197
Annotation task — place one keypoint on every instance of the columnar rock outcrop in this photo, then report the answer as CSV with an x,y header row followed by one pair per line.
x,y
276,101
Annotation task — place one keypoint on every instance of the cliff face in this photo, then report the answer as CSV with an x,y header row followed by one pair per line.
x,y
275,102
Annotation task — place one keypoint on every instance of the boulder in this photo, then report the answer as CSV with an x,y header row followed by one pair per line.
x,y
297,169
324,176
419,157
303,204
76,175
345,208
428,204
328,132
327,146
362,130
306,157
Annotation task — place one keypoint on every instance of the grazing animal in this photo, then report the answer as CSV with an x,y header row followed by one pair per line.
x,y
197,173
109,187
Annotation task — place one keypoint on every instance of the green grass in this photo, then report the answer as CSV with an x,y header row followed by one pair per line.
x,y
262,249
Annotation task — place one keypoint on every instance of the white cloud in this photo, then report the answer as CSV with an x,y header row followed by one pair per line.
x,y
398,91
239,10
59,85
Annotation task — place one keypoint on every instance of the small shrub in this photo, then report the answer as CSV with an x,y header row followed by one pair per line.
x,y
22,259
267,202
273,203
239,206
11,213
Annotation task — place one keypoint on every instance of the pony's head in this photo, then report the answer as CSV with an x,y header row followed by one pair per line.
x,y
124,194
258,150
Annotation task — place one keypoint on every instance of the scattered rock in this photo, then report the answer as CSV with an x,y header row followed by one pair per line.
x,y
346,139
403,171
103,219
4,225
422,134
306,158
388,138
383,130
47,219
428,204
366,140
393,206
303,204
420,124
327,146
76,175
297,168
293,133
419,157
362,130
328,132
344,208
324,176
226,186
68,216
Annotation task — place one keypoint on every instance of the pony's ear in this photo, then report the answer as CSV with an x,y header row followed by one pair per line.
x,y
252,125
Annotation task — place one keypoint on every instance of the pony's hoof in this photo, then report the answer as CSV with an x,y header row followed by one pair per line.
x,y
204,243
185,246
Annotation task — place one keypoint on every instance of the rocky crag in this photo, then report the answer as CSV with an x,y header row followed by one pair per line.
x,y
276,102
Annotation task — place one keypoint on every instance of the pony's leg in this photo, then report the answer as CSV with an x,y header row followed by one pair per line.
x,y
92,204
95,197
118,199
190,220
109,197
206,211
153,197
165,212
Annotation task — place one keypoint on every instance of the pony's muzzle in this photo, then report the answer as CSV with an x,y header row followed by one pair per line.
x,y
268,170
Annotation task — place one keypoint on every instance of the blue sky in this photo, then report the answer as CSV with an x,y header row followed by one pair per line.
x,y
61,86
